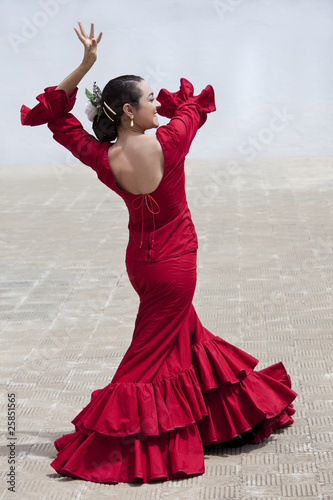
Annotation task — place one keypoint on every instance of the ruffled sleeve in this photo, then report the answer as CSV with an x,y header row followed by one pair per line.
x,y
188,113
171,101
52,104
53,109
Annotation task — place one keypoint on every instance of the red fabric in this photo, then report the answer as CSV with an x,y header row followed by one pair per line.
x,y
178,387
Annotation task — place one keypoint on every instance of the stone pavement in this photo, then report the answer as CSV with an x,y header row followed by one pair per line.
x,y
265,283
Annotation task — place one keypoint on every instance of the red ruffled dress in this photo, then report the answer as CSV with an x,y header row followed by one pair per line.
x,y
178,387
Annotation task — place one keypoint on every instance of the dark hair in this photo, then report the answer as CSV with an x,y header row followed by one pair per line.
x,y
117,92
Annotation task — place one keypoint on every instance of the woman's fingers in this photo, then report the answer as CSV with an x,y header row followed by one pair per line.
x,y
82,29
98,39
82,35
92,33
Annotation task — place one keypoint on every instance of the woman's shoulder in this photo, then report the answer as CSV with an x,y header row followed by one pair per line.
x,y
143,149
147,140
139,145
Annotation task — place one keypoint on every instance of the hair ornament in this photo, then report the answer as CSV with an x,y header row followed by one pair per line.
x,y
93,105
110,109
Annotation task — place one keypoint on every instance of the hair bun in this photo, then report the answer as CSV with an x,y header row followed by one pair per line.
x,y
104,129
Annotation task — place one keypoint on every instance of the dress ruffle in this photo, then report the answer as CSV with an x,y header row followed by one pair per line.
x,y
108,459
52,105
162,436
171,101
123,409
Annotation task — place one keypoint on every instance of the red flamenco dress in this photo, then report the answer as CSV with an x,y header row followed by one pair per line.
x,y
178,387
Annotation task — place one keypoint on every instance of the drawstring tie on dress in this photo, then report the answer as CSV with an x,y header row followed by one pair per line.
x,y
148,201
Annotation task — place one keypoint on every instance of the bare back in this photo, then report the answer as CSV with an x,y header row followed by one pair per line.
x,y
137,163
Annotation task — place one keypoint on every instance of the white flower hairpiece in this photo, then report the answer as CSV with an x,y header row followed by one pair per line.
x,y
93,105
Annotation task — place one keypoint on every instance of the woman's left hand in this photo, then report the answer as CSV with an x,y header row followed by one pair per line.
x,y
90,43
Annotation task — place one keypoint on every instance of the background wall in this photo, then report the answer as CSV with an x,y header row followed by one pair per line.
x,y
270,62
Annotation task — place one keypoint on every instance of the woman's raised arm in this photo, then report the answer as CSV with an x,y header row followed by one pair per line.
x,y
90,55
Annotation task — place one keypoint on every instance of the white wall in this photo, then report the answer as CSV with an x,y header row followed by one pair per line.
x,y
270,62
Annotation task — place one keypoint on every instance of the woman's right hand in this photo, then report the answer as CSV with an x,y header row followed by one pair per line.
x,y
90,44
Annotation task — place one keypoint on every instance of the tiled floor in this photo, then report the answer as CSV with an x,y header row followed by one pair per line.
x,y
265,283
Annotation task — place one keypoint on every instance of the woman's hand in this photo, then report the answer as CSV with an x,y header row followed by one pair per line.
x,y
90,55
90,44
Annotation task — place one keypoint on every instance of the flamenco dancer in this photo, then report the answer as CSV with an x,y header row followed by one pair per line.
x,y
178,387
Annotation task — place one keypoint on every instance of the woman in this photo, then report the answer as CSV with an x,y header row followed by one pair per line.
x,y
178,387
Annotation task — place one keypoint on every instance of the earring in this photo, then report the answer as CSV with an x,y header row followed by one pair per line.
x,y
132,122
